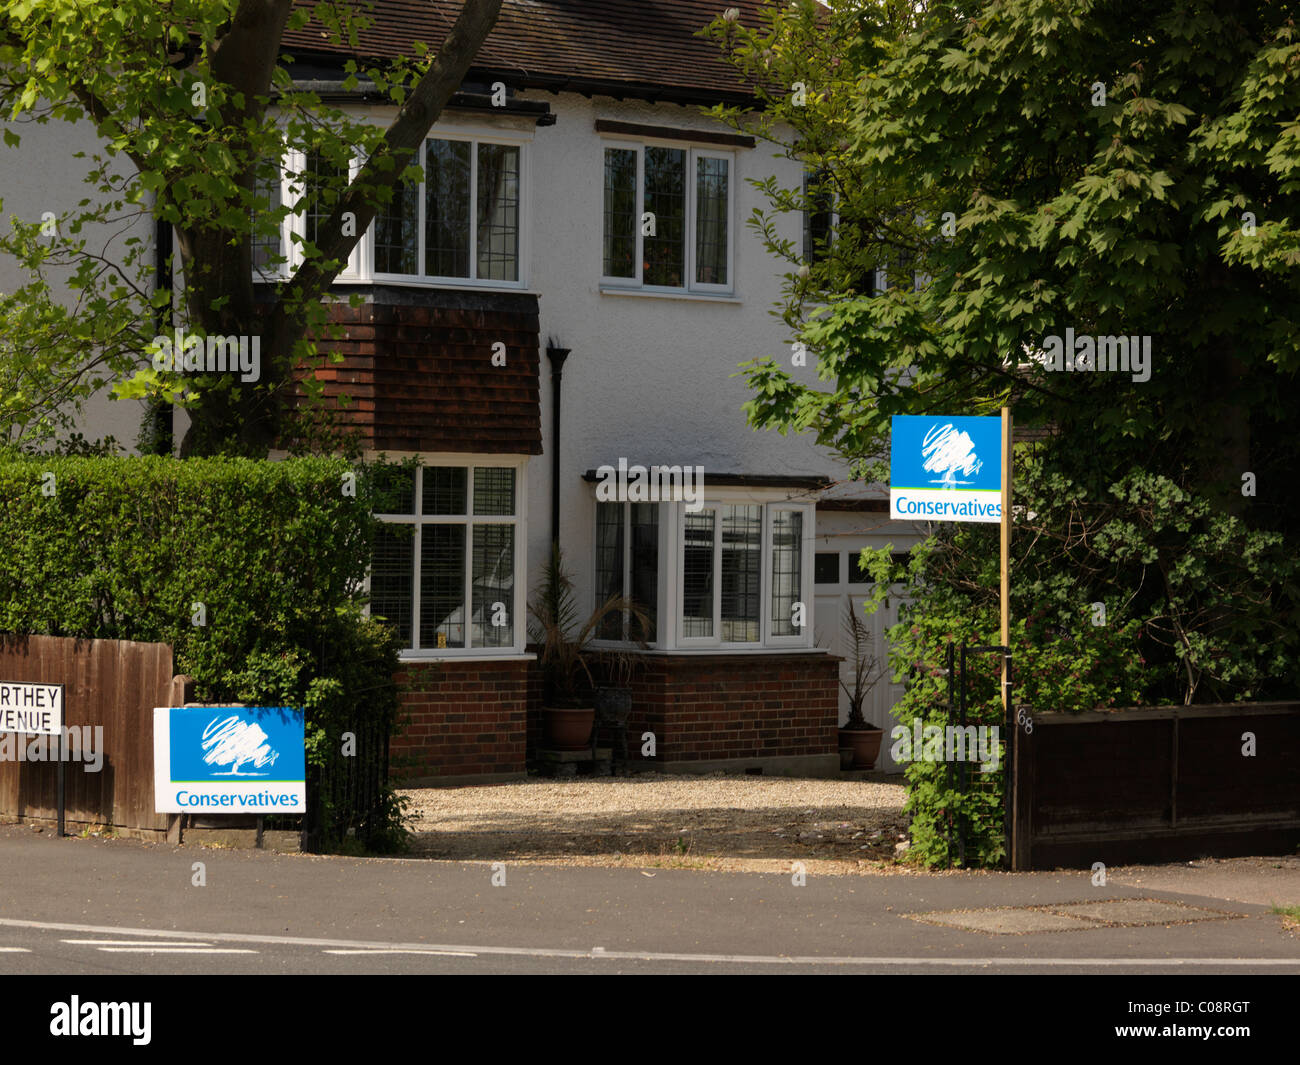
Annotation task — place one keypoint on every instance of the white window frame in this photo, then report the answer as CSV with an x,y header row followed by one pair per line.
x,y
693,152
296,160
360,265
679,622
670,620
281,271
805,576
433,280
661,546
519,607
805,252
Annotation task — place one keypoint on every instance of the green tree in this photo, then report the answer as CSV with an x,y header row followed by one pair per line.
x,y
1126,170
1114,170
195,104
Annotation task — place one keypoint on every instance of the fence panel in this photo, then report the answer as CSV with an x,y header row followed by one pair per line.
x,y
1158,784
110,684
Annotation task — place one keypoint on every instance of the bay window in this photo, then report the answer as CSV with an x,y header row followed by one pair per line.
x,y
470,201
732,574
742,575
627,564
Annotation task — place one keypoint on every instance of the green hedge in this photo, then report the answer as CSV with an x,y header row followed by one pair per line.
x,y
1126,590
276,553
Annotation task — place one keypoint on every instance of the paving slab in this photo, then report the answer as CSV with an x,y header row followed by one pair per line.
x,y
1140,912
1004,921
1258,881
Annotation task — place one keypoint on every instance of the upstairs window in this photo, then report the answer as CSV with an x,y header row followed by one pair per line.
x,y
667,218
462,224
470,202
818,216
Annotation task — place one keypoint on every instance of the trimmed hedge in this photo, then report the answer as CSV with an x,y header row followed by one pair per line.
x,y
252,571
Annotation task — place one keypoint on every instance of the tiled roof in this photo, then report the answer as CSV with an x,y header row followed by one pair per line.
x,y
415,373
638,48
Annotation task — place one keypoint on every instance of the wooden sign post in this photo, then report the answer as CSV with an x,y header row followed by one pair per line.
x,y
1005,538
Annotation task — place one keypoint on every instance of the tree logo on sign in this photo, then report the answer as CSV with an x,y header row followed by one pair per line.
x,y
949,451
236,743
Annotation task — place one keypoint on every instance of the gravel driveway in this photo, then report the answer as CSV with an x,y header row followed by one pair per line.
x,y
653,819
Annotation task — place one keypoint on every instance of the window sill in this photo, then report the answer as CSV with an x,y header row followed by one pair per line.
x,y
733,649
695,297
400,282
415,658
450,283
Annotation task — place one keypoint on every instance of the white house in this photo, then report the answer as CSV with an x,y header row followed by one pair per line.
x,y
531,240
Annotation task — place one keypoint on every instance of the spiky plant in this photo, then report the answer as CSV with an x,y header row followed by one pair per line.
x,y
563,638
864,666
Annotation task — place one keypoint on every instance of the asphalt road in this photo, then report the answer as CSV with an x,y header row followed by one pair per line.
x,y
82,907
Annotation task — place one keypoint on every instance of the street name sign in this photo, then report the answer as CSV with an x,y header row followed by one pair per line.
x,y
31,708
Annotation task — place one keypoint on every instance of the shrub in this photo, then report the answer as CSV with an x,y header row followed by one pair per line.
x,y
1198,606
252,572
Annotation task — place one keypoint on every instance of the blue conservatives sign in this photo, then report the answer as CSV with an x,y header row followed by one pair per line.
x,y
945,469
229,759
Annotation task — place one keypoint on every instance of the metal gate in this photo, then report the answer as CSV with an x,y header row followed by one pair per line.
x,y
959,778
348,794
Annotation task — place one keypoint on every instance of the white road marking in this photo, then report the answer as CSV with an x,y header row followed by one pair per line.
x,y
125,943
648,955
174,950
14,950
399,950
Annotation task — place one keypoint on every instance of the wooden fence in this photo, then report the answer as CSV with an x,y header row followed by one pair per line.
x,y
112,684
1156,784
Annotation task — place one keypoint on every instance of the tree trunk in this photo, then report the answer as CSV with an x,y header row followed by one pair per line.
x,y
245,417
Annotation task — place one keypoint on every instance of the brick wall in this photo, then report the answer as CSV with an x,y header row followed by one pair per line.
x,y
705,707
418,371
461,719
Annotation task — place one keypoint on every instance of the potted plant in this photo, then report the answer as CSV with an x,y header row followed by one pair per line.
x,y
614,697
564,653
858,734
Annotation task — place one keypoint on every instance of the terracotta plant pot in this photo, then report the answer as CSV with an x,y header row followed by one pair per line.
x,y
567,730
864,743
846,757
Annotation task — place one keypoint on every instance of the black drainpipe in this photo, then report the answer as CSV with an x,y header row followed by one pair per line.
x,y
557,355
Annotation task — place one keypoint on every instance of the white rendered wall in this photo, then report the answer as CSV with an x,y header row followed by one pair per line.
x,y
42,175
649,378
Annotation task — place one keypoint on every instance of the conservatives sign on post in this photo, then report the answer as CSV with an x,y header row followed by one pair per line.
x,y
945,469
229,759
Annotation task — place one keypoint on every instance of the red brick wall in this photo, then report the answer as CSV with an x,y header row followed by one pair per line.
x,y
418,371
704,707
461,719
